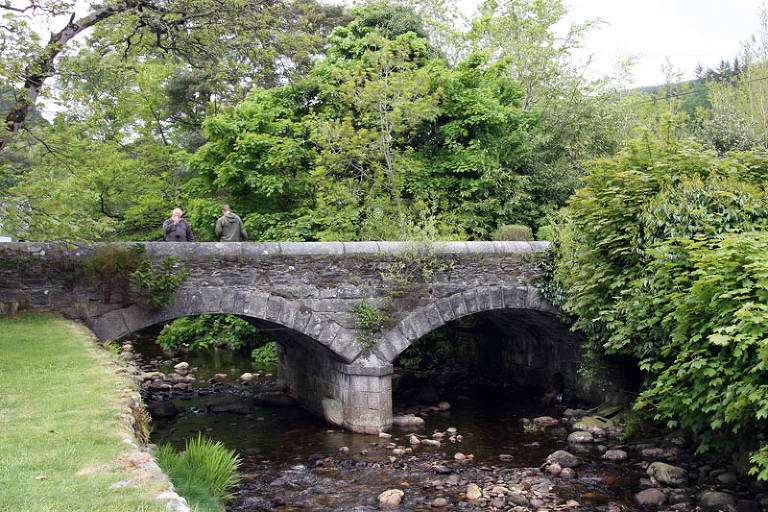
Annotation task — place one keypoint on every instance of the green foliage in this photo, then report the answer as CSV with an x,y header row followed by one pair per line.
x,y
369,321
203,473
545,233
204,331
660,257
155,286
513,232
265,357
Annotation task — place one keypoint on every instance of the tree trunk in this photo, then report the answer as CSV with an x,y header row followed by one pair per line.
x,y
42,67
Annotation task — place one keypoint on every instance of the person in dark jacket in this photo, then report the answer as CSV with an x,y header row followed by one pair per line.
x,y
177,229
229,227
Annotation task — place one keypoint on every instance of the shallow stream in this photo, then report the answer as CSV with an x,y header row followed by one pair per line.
x,y
292,460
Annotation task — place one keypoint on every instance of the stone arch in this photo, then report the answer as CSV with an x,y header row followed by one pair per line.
x,y
242,302
439,313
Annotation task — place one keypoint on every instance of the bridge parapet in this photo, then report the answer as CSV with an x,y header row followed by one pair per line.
x,y
305,292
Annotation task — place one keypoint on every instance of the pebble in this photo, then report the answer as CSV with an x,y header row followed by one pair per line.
x,y
440,502
390,498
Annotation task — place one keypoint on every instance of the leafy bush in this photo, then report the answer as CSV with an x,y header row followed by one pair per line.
x,y
203,473
546,233
265,356
512,232
203,331
658,257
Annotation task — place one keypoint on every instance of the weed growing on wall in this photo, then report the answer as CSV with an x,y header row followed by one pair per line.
x,y
126,270
369,322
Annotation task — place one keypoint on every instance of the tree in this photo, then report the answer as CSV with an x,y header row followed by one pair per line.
x,y
376,135
269,37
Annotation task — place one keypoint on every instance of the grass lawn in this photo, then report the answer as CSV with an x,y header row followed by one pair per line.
x,y
60,435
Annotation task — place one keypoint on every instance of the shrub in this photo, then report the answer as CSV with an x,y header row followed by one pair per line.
x,y
545,233
203,331
203,473
265,356
657,258
512,232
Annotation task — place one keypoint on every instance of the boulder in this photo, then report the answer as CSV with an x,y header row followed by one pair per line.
x,y
274,399
162,409
227,403
615,455
667,474
545,421
407,420
651,496
182,368
580,436
390,498
593,425
564,459
474,492
716,500
439,503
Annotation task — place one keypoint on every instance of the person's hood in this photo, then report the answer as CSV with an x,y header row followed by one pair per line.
x,y
230,218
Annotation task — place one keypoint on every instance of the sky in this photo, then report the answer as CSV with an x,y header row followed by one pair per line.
x,y
684,32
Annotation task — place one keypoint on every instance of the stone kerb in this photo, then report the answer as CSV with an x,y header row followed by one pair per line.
x,y
436,314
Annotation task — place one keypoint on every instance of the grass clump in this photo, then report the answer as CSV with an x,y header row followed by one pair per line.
x,y
60,433
203,473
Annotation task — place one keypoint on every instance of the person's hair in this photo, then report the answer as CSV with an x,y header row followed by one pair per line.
x,y
179,209
225,208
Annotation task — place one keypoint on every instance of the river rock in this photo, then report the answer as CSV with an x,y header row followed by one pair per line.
x,y
568,474
748,506
715,500
518,499
182,368
554,469
651,496
431,442
385,435
258,503
580,436
595,426
219,376
439,503
545,421
506,457
162,410
444,406
390,498
274,398
727,479
227,403
474,492
247,377
615,455
407,420
667,474
564,458
414,440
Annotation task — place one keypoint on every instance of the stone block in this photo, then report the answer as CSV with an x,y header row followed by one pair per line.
x,y
273,309
446,311
420,324
496,298
394,343
333,412
312,248
257,251
254,304
470,298
483,299
433,317
329,332
352,248
459,305
515,297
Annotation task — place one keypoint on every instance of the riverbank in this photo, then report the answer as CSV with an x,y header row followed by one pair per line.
x,y
66,436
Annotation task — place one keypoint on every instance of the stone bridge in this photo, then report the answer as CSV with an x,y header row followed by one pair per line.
x,y
303,294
